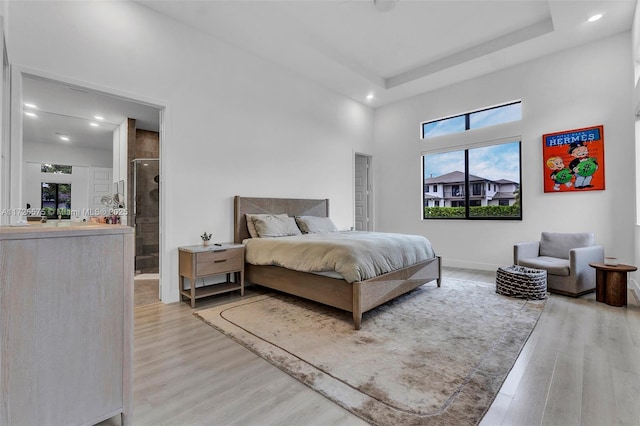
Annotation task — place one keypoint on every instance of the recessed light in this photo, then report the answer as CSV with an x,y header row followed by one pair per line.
x,y
370,97
30,114
28,105
594,18
98,117
92,124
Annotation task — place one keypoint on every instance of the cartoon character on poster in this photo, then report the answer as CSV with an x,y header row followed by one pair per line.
x,y
574,160
560,174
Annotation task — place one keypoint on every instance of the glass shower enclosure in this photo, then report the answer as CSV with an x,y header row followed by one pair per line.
x,y
146,213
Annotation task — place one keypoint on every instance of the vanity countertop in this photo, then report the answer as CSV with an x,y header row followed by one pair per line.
x,y
60,229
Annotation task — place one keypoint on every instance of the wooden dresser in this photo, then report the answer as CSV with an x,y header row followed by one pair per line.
x,y
66,324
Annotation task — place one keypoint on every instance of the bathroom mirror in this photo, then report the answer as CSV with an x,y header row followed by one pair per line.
x,y
75,126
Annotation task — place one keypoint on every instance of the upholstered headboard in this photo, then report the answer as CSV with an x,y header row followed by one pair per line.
x,y
290,206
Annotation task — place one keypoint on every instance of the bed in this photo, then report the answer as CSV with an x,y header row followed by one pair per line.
x,y
355,297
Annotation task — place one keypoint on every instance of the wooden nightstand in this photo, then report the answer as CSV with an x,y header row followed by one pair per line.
x,y
203,261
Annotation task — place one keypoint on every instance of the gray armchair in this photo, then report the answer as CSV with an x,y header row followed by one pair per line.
x,y
565,257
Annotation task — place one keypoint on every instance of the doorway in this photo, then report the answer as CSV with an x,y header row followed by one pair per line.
x,y
362,192
145,212
96,129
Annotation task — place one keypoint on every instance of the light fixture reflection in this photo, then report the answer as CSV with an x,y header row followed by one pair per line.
x,y
595,18
385,5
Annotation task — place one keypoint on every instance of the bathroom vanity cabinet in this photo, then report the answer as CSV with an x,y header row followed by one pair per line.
x,y
66,324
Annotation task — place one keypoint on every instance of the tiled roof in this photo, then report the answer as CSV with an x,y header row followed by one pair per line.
x,y
458,177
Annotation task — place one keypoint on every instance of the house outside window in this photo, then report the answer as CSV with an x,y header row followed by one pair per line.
x,y
464,175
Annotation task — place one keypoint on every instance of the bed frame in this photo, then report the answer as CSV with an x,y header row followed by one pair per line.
x,y
357,297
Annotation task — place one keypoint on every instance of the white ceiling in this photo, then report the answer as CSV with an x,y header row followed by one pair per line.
x,y
354,49
348,46
65,109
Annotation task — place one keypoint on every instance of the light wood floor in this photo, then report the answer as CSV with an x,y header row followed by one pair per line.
x,y
581,366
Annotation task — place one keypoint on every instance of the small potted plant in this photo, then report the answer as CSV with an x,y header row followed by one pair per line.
x,y
205,239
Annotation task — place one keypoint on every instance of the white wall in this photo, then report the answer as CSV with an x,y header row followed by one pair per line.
x,y
120,159
66,155
581,87
635,54
83,159
80,187
234,124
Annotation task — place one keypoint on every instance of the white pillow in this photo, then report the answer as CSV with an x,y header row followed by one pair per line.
x,y
250,225
275,226
315,224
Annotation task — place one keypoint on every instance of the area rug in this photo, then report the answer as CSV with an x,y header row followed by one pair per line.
x,y
435,356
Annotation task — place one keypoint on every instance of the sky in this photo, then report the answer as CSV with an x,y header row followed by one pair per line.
x,y
492,162
477,120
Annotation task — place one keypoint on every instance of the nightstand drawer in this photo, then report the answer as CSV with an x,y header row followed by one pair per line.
x,y
219,266
213,256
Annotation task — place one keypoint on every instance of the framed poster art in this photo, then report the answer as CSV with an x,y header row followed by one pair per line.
x,y
573,160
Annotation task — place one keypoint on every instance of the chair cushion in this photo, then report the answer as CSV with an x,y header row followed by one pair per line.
x,y
557,244
552,265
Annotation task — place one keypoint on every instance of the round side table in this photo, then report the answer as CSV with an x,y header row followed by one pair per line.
x,y
611,283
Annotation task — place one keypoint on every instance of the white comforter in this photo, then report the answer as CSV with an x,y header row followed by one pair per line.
x,y
355,255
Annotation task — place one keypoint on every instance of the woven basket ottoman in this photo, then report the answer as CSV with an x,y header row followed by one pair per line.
x,y
522,282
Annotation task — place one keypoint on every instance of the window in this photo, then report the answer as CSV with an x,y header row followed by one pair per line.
x,y
464,175
496,115
443,126
473,120
55,168
435,188
56,200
